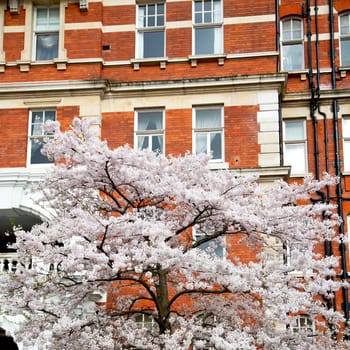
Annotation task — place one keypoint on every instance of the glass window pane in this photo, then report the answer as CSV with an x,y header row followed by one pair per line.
x,y
151,21
143,142
287,30
201,143
215,247
153,44
207,17
345,24
36,157
208,118
151,10
346,127
345,52
215,145
160,9
157,143
217,17
293,57
294,130
296,33
346,155
295,157
198,18
54,18
46,46
150,120
204,41
50,115
160,20
198,5
41,18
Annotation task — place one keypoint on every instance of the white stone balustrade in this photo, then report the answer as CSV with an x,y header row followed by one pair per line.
x,y
8,261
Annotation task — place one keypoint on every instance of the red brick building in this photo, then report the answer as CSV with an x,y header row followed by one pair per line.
x,y
263,86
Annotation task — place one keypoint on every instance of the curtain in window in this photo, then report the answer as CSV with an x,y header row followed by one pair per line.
x,y
217,17
294,130
150,121
208,118
218,40
295,156
141,17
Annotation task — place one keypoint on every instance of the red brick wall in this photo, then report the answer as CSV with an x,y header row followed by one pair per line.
x,y
118,129
85,43
178,132
74,15
13,45
241,136
13,137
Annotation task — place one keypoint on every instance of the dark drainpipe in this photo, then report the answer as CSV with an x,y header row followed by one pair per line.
x,y
328,248
313,101
278,34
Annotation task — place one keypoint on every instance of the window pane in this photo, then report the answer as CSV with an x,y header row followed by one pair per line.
x,y
292,29
346,155
151,10
295,157
214,247
198,6
36,157
345,25
150,120
157,143
151,21
207,5
153,44
346,127
294,130
41,18
50,115
215,145
46,46
345,52
287,30
293,57
54,18
204,39
201,143
208,118
47,19
143,142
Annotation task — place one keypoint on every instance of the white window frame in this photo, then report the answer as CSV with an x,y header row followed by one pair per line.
x,y
344,37
43,136
37,32
290,42
146,321
149,133
296,142
308,325
209,131
219,242
346,143
144,28
215,23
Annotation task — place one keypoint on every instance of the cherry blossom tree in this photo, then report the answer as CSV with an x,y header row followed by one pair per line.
x,y
188,257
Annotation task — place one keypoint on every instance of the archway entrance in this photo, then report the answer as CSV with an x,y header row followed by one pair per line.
x,y
10,218
7,342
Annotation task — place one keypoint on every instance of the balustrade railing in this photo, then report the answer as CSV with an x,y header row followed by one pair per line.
x,y
8,262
